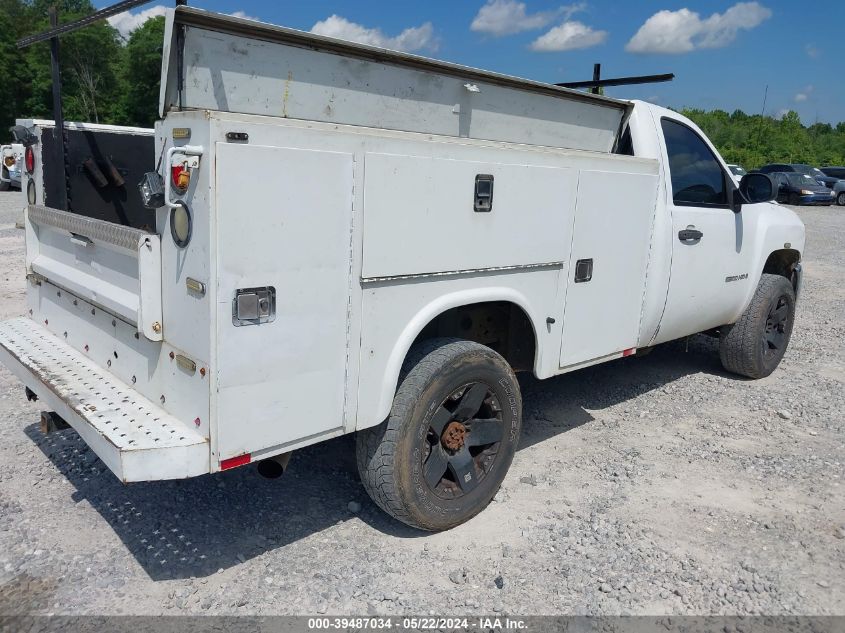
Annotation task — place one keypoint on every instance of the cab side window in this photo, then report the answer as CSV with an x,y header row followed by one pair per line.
x,y
697,177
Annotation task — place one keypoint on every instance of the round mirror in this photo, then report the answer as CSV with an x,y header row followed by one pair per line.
x,y
181,224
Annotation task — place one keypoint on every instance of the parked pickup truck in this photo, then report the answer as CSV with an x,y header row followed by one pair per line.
x,y
354,240
11,157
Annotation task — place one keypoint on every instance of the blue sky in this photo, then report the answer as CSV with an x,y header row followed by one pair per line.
x,y
723,53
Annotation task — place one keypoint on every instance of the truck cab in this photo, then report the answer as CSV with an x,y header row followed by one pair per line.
x,y
712,243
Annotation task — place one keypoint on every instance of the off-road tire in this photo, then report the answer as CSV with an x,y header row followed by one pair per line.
x,y
390,460
840,199
743,348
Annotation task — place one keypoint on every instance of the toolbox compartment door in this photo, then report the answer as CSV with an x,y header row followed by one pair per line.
x,y
285,225
611,241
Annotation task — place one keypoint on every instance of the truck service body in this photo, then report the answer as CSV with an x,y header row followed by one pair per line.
x,y
98,174
338,219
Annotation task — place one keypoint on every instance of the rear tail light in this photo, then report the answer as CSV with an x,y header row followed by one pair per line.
x,y
29,159
181,175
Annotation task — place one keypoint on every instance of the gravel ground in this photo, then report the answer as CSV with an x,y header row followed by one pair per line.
x,y
655,485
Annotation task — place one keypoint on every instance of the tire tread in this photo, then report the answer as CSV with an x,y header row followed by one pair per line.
x,y
376,447
738,342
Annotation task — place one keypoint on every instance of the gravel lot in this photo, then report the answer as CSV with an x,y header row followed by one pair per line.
x,y
655,485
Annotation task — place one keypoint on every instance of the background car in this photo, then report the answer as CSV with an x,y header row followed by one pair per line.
x,y
737,171
839,193
796,188
801,168
834,172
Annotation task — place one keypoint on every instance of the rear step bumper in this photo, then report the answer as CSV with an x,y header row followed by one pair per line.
x,y
135,438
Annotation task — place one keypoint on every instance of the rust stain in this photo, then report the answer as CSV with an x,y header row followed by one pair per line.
x,y
454,436
287,94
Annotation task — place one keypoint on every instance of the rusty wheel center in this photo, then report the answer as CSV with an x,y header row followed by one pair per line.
x,y
453,436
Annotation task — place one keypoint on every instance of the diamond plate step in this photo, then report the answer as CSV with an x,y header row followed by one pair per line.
x,y
136,438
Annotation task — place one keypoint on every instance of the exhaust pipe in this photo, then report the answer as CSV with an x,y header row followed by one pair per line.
x,y
274,467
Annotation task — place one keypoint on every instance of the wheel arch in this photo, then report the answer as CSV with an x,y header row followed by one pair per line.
x,y
426,322
784,262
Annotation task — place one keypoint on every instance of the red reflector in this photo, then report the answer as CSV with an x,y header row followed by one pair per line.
x,y
29,160
234,462
629,352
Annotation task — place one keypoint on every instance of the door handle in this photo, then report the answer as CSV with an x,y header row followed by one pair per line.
x,y
690,235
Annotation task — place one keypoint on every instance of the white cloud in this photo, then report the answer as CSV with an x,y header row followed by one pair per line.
x,y
411,39
568,36
244,15
804,94
812,51
506,17
127,22
683,30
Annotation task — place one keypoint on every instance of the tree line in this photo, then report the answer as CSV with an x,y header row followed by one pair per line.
x,y
754,140
109,79
105,78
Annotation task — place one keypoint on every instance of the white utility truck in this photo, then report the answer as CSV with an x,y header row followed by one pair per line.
x,y
11,158
350,239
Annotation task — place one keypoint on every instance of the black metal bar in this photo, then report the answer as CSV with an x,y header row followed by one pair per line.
x,y
596,78
57,30
59,129
619,81
180,64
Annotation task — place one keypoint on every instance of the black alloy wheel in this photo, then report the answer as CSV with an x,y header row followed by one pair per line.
x,y
462,441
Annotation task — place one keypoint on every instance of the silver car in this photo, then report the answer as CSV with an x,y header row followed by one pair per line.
x,y
839,192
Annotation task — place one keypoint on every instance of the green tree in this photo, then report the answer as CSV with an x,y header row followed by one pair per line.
x,y
143,72
754,140
91,68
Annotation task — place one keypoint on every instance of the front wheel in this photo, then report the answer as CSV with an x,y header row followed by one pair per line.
x,y
794,200
840,199
756,343
443,452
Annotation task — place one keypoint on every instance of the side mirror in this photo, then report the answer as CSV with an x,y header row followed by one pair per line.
x,y
754,188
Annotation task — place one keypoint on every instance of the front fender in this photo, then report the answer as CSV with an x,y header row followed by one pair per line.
x,y
775,228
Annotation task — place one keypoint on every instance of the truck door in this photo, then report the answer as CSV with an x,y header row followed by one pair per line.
x,y
710,250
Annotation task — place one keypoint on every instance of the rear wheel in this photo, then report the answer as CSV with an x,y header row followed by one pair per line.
x,y
5,185
840,199
450,438
756,343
